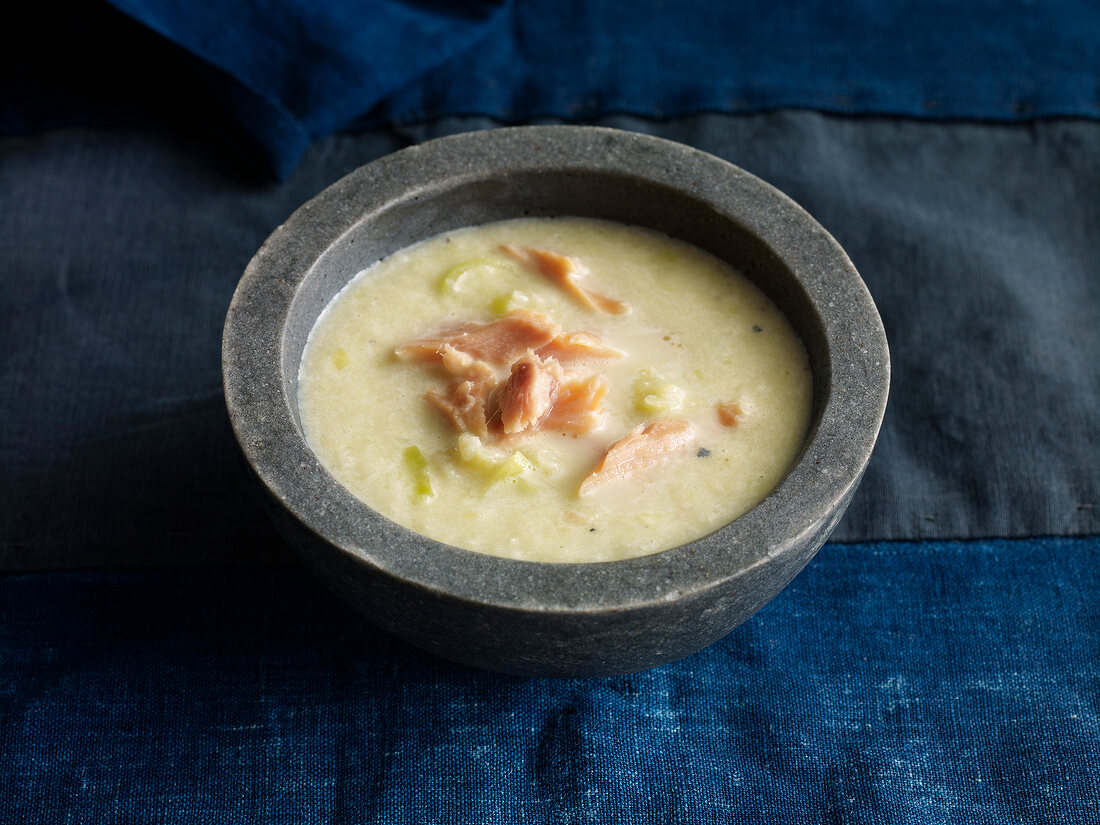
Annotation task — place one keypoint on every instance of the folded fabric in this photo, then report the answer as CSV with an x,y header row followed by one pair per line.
x,y
294,70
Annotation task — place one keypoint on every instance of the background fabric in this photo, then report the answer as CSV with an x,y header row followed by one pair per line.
x,y
164,659
286,72
978,243
888,684
303,70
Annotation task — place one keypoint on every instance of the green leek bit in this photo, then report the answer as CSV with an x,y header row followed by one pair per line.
x,y
516,465
453,277
417,465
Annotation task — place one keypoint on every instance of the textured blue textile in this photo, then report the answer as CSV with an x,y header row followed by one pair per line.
x,y
908,682
299,69
121,252
891,683
294,70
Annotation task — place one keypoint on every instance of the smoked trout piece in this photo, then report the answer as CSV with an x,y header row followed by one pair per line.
x,y
564,271
647,445
463,365
465,404
569,347
497,342
527,395
578,406
730,413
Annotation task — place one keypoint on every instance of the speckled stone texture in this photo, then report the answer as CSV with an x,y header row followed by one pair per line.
x,y
532,618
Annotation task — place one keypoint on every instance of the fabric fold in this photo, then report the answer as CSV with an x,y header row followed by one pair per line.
x,y
299,70
296,70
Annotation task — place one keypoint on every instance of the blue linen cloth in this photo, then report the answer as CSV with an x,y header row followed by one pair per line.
x,y
940,682
912,681
295,70
121,255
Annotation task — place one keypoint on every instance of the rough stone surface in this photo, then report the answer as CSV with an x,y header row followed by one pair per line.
x,y
554,619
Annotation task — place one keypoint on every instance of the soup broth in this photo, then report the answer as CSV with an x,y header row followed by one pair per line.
x,y
556,390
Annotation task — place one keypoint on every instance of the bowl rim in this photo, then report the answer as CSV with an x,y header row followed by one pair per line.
x,y
803,506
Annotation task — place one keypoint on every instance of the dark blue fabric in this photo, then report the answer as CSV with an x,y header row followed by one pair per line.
x,y
907,682
290,71
304,69
891,683
121,252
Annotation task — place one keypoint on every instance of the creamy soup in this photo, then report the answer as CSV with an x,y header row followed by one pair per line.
x,y
555,389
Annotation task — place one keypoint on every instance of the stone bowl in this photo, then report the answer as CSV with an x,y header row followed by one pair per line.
x,y
532,618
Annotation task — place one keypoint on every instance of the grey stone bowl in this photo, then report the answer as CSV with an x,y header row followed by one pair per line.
x,y
533,618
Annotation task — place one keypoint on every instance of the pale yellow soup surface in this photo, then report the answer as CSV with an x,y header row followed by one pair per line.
x,y
697,332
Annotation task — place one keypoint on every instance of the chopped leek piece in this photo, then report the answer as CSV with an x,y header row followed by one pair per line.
x,y
653,394
490,463
516,465
476,455
340,358
417,465
503,304
452,279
